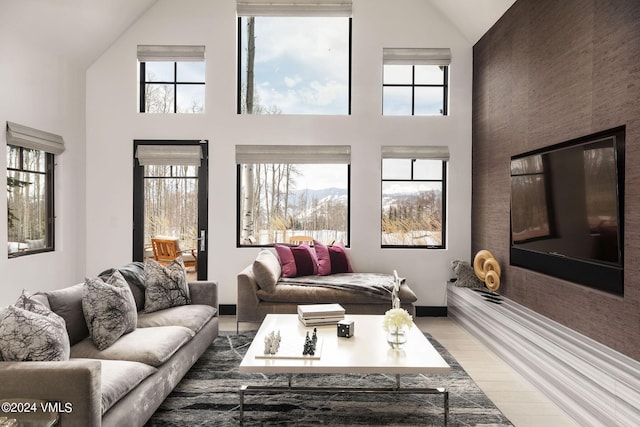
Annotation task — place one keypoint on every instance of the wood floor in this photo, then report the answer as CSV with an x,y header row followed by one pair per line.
x,y
517,399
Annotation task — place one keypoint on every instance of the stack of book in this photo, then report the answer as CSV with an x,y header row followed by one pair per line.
x,y
320,314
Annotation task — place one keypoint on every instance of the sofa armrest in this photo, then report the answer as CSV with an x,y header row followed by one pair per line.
x,y
203,292
74,383
248,301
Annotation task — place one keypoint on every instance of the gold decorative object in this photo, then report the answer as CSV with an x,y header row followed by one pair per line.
x,y
487,269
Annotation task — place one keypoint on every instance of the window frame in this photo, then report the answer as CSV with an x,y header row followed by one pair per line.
x,y
240,71
49,200
202,176
413,85
443,181
175,83
239,209
549,207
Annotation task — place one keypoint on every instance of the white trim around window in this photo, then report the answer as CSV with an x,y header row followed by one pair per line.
x,y
299,8
293,154
34,139
182,155
171,53
430,152
416,56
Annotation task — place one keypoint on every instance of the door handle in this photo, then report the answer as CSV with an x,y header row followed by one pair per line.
x,y
202,240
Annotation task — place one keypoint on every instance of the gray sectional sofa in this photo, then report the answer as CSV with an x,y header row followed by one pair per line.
x,y
124,384
262,290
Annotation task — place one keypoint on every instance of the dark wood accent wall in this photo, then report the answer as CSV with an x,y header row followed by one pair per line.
x,y
547,72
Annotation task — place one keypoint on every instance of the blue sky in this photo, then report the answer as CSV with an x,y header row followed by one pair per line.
x,y
302,64
302,67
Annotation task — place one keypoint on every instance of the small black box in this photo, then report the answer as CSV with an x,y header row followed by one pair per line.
x,y
345,328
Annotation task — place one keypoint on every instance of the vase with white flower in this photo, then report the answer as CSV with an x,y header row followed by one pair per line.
x,y
396,322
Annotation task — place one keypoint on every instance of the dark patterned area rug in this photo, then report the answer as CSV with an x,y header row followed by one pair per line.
x,y
208,396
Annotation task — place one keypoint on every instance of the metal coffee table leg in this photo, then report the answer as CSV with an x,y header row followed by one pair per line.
x,y
397,388
446,407
242,390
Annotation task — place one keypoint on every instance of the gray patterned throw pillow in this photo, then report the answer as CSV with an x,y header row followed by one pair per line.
x,y
166,286
466,276
109,309
29,331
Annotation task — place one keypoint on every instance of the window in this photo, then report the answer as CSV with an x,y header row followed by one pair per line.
x,y
415,82
170,185
530,215
292,190
30,214
170,193
414,197
172,79
294,58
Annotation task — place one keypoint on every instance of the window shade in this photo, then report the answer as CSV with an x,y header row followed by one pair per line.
x,y
26,137
294,154
294,8
181,155
416,56
170,53
436,152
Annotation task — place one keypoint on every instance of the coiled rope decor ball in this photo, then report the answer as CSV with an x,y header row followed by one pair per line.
x,y
487,269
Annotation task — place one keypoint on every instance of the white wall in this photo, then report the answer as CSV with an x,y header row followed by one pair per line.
x,y
40,90
113,124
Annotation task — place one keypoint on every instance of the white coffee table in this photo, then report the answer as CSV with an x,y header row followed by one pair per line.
x,y
367,352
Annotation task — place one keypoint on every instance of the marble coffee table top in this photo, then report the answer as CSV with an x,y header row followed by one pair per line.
x,y
366,352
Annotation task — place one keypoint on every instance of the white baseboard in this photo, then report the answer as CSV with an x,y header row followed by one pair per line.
x,y
592,383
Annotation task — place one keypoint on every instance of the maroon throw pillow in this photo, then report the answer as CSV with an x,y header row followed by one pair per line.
x,y
324,259
296,261
339,260
332,259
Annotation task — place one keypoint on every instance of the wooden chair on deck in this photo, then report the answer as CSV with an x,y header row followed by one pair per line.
x,y
298,240
166,250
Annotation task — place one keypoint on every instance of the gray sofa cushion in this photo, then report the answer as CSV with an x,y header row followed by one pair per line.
x,y
316,295
193,317
166,286
67,303
109,309
119,377
151,346
267,270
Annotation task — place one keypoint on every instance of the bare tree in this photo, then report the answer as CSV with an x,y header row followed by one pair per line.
x,y
26,196
12,183
265,204
251,53
248,204
248,221
158,99
171,203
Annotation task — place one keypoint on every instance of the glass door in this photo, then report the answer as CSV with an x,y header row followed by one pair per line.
x,y
170,203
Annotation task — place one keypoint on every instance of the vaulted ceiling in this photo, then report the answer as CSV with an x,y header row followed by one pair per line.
x,y
82,30
78,29
473,18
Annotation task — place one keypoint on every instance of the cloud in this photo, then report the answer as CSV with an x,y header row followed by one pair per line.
x,y
323,94
306,97
292,81
319,177
302,64
320,42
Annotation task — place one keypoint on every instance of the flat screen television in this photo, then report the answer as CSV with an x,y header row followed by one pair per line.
x,y
567,210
